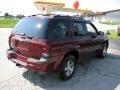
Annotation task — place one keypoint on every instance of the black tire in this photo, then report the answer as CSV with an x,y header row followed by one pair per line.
x,y
102,53
118,34
66,74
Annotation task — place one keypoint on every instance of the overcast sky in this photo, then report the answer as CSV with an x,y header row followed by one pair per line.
x,y
27,6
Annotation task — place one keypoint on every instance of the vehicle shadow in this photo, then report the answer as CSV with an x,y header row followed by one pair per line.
x,y
100,74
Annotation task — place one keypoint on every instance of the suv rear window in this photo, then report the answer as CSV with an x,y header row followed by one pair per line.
x,y
32,27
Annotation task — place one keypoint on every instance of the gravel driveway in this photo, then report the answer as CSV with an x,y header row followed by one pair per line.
x,y
95,74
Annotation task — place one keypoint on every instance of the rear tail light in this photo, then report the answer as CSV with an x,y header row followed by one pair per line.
x,y
10,42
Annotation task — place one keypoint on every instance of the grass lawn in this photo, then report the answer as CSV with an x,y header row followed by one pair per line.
x,y
8,23
110,23
113,35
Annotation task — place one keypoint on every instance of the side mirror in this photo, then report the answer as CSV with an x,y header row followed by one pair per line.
x,y
101,33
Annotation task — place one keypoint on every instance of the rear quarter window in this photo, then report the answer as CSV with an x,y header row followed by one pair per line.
x,y
58,28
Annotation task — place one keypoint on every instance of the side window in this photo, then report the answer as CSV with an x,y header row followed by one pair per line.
x,y
58,29
90,28
79,29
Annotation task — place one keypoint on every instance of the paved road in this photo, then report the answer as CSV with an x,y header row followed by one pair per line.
x,y
96,74
115,44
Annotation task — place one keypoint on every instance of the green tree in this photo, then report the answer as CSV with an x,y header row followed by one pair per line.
x,y
6,15
20,16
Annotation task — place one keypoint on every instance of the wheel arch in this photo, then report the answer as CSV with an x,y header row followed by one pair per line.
x,y
75,53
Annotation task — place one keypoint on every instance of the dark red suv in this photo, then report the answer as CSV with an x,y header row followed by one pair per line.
x,y
47,43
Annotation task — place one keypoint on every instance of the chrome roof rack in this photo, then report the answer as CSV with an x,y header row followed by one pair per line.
x,y
59,15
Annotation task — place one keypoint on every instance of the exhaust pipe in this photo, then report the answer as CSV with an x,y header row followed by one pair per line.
x,y
18,65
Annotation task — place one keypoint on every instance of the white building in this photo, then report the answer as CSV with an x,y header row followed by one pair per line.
x,y
108,16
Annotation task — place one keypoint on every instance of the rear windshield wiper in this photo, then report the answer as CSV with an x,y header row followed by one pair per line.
x,y
23,35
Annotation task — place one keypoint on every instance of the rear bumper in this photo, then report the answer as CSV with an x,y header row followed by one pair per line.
x,y
30,63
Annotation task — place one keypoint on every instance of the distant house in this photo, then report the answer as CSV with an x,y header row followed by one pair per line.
x,y
1,17
107,16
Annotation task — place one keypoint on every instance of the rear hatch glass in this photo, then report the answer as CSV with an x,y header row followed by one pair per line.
x,y
32,27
